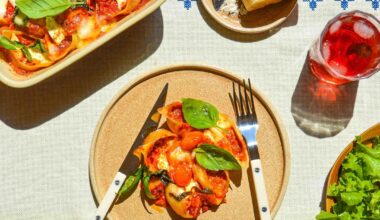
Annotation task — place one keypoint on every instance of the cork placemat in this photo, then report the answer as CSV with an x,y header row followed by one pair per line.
x,y
124,116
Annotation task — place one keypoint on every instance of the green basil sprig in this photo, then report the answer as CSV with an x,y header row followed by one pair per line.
x,y
199,114
15,45
215,158
164,177
8,44
39,46
130,184
145,181
24,50
36,9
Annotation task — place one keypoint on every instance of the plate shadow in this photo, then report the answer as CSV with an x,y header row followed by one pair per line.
x,y
320,109
27,108
292,20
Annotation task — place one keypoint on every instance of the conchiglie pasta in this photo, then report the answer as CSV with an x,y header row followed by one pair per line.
x,y
154,149
228,137
216,181
62,33
190,189
174,116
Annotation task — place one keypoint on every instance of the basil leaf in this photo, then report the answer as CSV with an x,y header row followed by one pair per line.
x,y
199,114
215,158
14,45
130,184
19,18
164,177
36,9
24,50
8,44
145,180
39,46
181,196
81,4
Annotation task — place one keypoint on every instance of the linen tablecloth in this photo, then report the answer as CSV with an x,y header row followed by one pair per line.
x,y
46,130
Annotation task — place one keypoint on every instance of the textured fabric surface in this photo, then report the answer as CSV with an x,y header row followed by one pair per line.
x,y
46,130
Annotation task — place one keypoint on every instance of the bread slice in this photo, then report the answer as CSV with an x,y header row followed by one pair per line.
x,y
251,5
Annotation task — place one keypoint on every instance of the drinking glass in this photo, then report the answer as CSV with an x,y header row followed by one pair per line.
x,y
348,49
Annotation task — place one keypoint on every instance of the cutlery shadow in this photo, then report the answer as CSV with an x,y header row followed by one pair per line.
x,y
320,109
29,107
292,20
253,193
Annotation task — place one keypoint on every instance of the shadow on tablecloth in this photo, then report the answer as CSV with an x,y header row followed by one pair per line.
x,y
292,20
319,109
30,107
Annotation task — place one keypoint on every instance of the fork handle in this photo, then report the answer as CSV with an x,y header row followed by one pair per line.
x,y
261,193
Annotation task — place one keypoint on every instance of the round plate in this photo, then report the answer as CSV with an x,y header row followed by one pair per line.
x,y
124,116
254,22
334,173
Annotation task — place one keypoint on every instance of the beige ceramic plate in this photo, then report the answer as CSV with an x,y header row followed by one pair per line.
x,y
334,173
124,116
8,77
257,21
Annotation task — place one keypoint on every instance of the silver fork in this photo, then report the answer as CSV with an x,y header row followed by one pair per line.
x,y
248,125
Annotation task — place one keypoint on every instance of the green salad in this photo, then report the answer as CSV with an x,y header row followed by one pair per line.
x,y
357,193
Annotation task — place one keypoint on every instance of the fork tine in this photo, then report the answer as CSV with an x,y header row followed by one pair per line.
x,y
252,101
246,98
235,100
241,100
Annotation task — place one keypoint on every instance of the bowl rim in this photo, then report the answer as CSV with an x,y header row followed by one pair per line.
x,y
256,30
196,66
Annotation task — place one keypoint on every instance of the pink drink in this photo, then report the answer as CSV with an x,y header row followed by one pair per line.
x,y
348,49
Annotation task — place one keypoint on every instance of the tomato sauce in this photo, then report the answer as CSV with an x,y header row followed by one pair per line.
x,y
152,158
176,113
157,189
219,181
108,8
72,19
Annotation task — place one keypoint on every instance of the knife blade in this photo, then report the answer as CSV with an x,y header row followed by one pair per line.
x,y
131,162
218,4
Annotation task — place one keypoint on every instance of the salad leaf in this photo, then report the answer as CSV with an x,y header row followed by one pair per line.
x,y
375,153
371,166
200,114
330,216
351,164
357,192
374,204
36,9
215,158
351,198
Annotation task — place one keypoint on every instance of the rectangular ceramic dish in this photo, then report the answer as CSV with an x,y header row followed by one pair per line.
x,y
8,77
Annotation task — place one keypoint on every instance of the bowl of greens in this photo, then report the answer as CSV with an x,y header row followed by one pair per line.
x,y
353,185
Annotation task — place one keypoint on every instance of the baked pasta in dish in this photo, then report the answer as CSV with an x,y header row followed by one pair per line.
x,y
35,34
187,165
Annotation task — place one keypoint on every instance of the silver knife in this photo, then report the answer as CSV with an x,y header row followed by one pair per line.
x,y
131,162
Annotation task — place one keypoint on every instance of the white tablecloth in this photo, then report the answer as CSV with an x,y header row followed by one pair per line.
x,y
46,130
